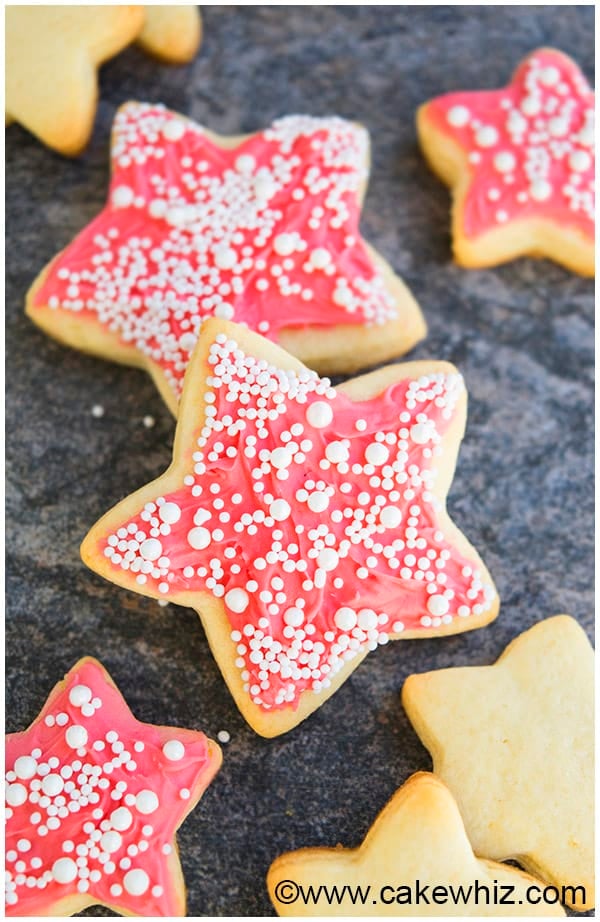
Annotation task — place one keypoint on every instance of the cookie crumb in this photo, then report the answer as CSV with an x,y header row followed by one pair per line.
x,y
148,422
223,736
97,411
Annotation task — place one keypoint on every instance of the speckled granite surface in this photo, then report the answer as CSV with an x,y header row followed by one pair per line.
x,y
521,335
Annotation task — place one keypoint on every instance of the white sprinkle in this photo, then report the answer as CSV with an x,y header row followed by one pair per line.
x,y
64,870
122,197
151,549
280,510
136,881
504,162
245,164
345,619
146,801
486,136
199,538
438,605
169,513
580,161
25,767
80,695
284,244
540,190
319,414
320,258
76,736
121,818
390,517
237,600
173,750
458,116
174,129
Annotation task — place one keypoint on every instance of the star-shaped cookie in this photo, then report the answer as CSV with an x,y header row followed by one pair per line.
x,y
305,524
520,162
514,742
416,860
171,33
93,801
53,54
262,230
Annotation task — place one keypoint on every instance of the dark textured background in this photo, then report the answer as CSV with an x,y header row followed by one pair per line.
x,y
522,335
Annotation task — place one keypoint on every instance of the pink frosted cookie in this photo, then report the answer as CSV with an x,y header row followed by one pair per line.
x,y
520,162
93,801
261,229
305,524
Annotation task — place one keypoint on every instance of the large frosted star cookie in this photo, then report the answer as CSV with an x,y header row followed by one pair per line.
x,y
93,801
262,230
416,860
514,742
53,54
520,162
305,524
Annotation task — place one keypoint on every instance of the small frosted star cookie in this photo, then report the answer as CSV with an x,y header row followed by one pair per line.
x,y
93,801
416,860
514,742
52,57
520,162
305,524
171,33
262,230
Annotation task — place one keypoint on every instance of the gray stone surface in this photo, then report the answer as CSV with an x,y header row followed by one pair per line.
x,y
521,334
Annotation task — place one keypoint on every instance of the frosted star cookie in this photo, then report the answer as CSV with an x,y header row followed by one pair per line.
x,y
514,742
262,230
52,57
93,801
305,524
171,33
416,860
520,162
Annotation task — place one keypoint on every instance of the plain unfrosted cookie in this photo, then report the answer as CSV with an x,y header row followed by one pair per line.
x,y
171,33
93,801
53,54
514,742
305,524
419,842
520,162
52,57
261,230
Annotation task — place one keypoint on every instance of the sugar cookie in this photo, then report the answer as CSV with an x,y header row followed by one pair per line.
x,y
305,524
53,54
93,801
520,162
514,742
52,57
262,230
416,860
171,33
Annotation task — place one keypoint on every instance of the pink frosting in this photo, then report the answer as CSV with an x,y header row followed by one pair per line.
x,y
265,234
530,146
311,516
93,800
